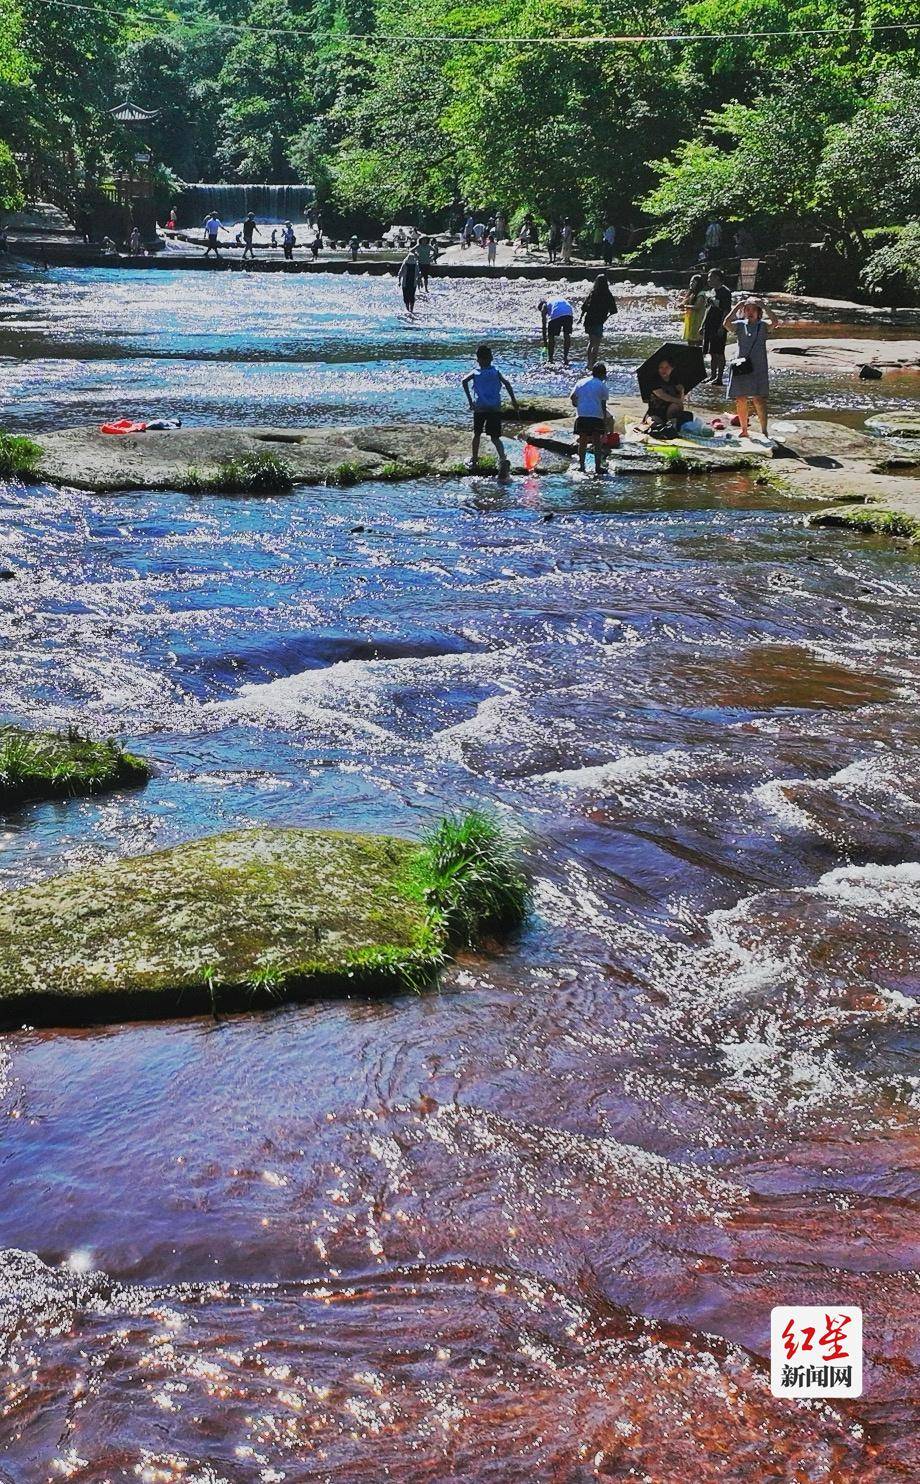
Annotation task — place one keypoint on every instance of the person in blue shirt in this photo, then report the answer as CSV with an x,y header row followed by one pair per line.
x,y
485,401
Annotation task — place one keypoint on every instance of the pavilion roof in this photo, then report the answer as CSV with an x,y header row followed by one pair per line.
x,y
130,113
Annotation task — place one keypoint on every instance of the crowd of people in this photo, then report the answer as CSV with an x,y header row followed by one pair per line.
x,y
706,306
709,315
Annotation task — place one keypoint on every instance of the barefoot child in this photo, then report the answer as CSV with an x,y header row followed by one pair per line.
x,y
486,404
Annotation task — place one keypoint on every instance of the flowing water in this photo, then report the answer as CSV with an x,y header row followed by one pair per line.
x,y
530,1226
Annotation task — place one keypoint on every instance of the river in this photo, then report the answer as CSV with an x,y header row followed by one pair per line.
x,y
531,1226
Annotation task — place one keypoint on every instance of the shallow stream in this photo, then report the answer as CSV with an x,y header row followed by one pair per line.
x,y
529,1227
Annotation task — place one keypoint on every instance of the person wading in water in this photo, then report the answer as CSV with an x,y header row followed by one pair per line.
x,y
595,312
249,231
407,278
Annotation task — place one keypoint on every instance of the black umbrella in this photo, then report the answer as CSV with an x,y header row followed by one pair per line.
x,y
687,360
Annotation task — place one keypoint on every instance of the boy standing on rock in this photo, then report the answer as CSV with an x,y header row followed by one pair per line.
x,y
486,406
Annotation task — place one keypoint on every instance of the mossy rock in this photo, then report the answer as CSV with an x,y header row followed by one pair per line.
x,y
55,765
869,520
895,424
235,921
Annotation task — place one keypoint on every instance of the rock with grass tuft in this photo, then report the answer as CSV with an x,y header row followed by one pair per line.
x,y
252,917
54,765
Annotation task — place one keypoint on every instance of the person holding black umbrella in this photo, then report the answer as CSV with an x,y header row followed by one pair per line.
x,y
665,378
749,373
665,399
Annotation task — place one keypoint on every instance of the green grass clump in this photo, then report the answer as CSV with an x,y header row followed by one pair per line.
x,y
19,457
486,464
340,476
48,765
471,878
253,474
405,969
395,470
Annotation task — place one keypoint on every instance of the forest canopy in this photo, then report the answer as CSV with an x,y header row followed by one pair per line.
x,y
800,117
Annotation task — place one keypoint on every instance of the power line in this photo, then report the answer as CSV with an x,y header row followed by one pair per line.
x,y
399,39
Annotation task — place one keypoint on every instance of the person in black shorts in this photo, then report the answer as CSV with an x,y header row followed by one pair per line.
x,y
249,231
715,335
483,389
558,318
590,402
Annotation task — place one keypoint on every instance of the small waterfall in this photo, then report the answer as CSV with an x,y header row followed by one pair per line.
x,y
270,203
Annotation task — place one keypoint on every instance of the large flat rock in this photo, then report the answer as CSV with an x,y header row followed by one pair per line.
x,y
164,459
895,424
838,357
239,918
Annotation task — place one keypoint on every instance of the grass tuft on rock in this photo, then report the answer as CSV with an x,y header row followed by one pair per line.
x,y
395,470
253,474
19,457
471,878
51,765
487,464
341,476
870,520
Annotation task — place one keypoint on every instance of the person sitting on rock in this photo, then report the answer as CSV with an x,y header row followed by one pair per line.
x,y
666,400
486,406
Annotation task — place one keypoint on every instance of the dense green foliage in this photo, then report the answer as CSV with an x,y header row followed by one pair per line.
x,y
413,109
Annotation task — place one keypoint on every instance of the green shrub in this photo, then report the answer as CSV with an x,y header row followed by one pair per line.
x,y
19,457
471,878
253,474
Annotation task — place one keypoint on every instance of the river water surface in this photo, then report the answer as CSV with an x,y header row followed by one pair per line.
x,y
531,1226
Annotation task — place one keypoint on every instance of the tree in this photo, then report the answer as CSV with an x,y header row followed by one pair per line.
x,y
755,161
10,191
265,85
870,166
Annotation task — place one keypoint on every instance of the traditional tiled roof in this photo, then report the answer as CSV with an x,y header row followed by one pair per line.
x,y
129,113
